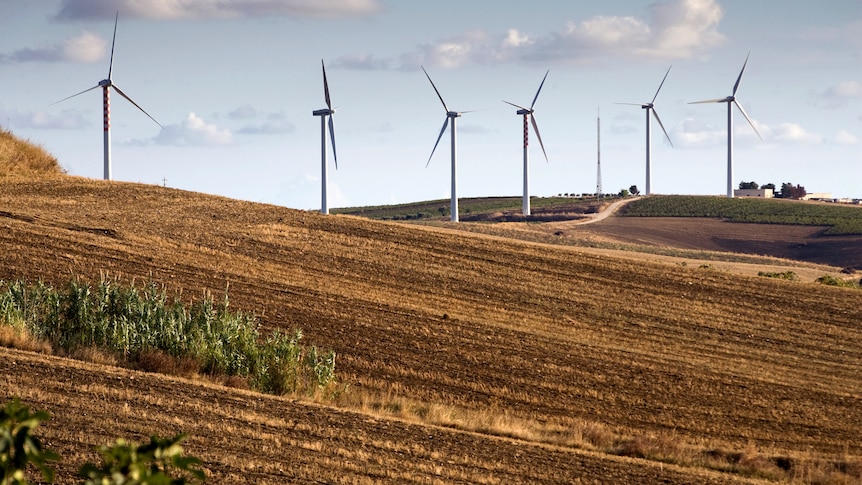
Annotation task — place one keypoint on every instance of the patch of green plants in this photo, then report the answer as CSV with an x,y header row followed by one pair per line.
x,y
841,219
130,322
782,275
830,280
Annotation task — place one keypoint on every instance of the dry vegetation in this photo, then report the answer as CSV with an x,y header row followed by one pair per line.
x,y
467,358
21,159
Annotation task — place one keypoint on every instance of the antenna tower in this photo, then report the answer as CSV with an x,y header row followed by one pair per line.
x,y
599,154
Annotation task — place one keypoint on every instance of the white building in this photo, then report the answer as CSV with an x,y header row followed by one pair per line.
x,y
765,193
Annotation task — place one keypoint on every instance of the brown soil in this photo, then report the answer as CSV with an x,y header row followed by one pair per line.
x,y
550,335
801,243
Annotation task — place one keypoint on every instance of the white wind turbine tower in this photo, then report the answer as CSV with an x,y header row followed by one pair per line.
x,y
106,85
324,114
528,113
731,100
651,107
450,115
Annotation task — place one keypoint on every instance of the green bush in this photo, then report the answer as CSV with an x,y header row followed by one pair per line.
x,y
18,446
130,322
782,275
154,463
833,281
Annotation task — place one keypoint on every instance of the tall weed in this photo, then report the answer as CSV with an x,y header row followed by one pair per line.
x,y
136,322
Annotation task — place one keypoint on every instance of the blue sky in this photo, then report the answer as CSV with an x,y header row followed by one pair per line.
x,y
234,83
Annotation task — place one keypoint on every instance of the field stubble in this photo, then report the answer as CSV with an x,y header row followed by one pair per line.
x,y
546,335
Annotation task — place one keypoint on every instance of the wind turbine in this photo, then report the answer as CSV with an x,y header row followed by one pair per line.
x,y
528,113
651,107
106,85
450,115
324,114
731,100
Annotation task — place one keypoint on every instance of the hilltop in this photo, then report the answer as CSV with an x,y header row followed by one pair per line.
x,y
467,357
22,159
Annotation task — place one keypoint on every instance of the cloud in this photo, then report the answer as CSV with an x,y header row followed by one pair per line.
x,y
261,123
692,133
792,133
362,62
212,9
192,131
86,47
839,94
680,29
41,120
846,138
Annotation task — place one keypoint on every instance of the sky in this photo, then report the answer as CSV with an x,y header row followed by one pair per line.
x,y
233,84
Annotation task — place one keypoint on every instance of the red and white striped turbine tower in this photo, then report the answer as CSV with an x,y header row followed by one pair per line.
x,y
528,113
106,85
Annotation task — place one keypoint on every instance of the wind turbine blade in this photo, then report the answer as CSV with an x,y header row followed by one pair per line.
x,y
747,118
121,93
660,85
435,90
72,96
736,86
325,87
717,100
515,105
631,104
536,129
113,43
655,114
445,124
540,89
332,138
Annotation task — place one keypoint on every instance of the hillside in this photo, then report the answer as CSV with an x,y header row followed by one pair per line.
x,y
466,358
22,159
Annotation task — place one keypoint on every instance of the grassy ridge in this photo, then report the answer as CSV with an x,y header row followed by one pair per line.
x,y
842,219
22,159
439,209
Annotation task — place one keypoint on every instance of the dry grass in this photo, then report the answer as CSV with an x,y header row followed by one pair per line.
x,y
21,159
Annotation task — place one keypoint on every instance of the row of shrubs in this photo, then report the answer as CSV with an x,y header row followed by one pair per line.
x,y
828,280
133,323
161,461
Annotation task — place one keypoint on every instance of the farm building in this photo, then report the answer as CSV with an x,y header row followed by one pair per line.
x,y
765,193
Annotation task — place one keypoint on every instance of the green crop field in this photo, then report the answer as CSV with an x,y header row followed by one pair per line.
x,y
842,219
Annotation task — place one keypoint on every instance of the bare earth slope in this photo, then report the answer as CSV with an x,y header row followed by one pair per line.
x,y
543,333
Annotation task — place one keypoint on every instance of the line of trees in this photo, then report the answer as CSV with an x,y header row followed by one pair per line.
x,y
788,190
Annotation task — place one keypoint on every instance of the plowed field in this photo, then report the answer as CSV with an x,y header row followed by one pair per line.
x,y
548,335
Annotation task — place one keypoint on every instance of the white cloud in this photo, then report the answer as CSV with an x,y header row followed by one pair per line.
x,y
65,120
207,9
846,138
261,123
362,62
680,29
87,47
792,133
193,131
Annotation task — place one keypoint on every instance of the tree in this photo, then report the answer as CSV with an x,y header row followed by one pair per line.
x,y
18,446
768,186
160,461
634,190
624,193
788,191
749,185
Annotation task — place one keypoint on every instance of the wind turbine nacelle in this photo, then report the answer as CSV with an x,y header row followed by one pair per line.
x,y
524,112
453,114
323,112
105,83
